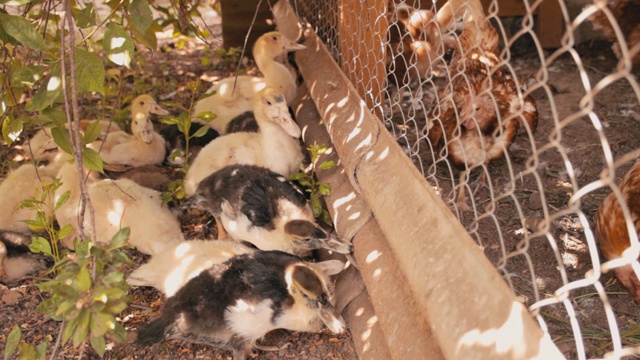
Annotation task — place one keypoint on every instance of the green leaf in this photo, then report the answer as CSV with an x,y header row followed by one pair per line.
x,y
82,330
207,115
90,72
41,350
316,205
83,279
98,344
63,199
326,165
148,38
92,132
118,44
54,115
61,138
100,324
41,245
120,237
201,132
86,17
22,30
170,120
35,225
324,189
91,160
27,351
140,14
11,129
113,277
13,339
297,176
26,75
65,231
47,94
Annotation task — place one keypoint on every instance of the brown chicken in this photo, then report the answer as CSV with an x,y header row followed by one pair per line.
x,y
627,16
481,109
415,42
611,228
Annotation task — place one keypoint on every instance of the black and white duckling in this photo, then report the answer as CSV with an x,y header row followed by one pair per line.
x,y
170,269
233,304
274,146
176,141
16,260
144,146
118,204
234,97
257,205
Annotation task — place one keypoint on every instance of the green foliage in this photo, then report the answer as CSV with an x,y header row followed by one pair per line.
x,y
176,192
26,351
228,57
316,189
86,302
42,204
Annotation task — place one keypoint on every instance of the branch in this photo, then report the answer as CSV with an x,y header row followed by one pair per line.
x,y
73,118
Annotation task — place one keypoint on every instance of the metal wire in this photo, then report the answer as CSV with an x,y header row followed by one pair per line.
x,y
532,211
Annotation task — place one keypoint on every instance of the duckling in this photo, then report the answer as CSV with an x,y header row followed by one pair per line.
x,y
169,270
275,146
144,147
44,148
20,184
234,96
118,204
257,205
16,260
233,304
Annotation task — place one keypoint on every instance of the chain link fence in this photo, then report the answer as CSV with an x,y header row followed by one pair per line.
x,y
529,200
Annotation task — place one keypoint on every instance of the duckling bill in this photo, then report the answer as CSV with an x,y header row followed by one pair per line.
x,y
233,304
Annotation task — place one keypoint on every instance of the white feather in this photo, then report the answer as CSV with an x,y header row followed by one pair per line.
x,y
170,269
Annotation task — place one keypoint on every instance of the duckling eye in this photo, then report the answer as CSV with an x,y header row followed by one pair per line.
x,y
269,103
274,38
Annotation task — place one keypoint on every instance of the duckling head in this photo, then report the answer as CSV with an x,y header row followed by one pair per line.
x,y
273,44
43,146
271,104
141,108
307,285
308,236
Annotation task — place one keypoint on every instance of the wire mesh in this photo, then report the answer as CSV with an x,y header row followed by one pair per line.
x,y
452,99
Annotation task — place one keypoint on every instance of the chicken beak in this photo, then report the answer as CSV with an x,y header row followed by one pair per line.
x,y
331,318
